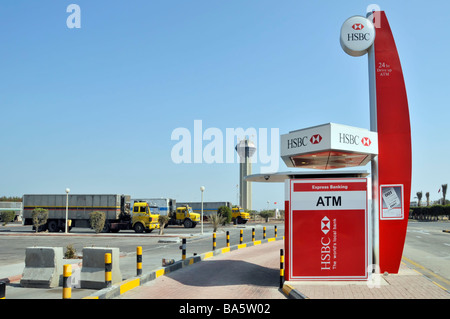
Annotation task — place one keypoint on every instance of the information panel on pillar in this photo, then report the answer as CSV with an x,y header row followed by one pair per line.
x,y
328,229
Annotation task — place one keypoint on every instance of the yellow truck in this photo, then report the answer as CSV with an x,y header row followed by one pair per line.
x,y
184,216
143,219
239,216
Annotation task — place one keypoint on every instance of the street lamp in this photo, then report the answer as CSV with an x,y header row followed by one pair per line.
x,y
67,206
202,189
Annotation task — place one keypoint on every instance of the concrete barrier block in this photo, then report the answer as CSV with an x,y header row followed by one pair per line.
x,y
93,270
43,267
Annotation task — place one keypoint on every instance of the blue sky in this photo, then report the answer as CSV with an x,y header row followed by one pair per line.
x,y
93,109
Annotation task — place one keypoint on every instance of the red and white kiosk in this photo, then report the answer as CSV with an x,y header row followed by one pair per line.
x,y
331,232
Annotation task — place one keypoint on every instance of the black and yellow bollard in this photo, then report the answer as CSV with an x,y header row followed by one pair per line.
x,y
253,234
183,249
276,232
228,239
108,270
264,232
67,288
241,239
138,260
2,290
214,241
281,268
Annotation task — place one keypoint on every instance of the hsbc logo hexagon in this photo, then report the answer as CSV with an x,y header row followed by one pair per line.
x,y
366,141
358,26
315,139
325,225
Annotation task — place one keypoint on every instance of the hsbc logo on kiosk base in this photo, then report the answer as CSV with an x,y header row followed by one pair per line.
x,y
326,244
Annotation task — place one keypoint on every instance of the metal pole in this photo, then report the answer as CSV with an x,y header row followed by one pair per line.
x,y
281,268
2,290
374,162
67,208
67,288
183,249
139,260
202,188
108,269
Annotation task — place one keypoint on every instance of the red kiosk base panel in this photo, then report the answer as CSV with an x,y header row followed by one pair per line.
x,y
327,229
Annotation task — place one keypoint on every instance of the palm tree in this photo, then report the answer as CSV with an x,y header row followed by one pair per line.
x,y
419,197
427,195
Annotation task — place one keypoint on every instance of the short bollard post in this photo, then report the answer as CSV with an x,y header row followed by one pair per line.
x,y
138,260
228,239
241,236
108,270
183,249
67,288
281,268
253,234
214,241
275,231
2,290
264,232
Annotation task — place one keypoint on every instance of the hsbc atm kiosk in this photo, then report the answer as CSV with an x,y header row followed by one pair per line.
x,y
331,231
327,229
327,217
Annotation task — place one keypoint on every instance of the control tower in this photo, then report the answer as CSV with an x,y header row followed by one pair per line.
x,y
245,150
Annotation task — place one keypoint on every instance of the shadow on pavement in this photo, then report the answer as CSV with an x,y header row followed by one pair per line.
x,y
226,272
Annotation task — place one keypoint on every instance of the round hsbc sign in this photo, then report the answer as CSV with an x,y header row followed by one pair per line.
x,y
357,35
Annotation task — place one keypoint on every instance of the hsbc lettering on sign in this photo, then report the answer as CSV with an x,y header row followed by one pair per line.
x,y
357,35
356,140
328,229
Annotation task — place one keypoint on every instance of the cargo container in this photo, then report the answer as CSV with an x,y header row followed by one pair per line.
x,y
116,208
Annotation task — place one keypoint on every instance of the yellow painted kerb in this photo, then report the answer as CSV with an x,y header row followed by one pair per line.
x,y
129,284
209,255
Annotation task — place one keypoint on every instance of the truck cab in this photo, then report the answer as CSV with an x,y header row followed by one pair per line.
x,y
143,218
185,216
239,216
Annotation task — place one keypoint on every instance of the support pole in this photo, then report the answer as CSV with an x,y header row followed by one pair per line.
x,y
108,269
67,289
139,261
281,268
2,290
374,162
183,249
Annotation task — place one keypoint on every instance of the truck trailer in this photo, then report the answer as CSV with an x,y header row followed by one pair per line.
x,y
208,207
116,208
238,215
165,205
